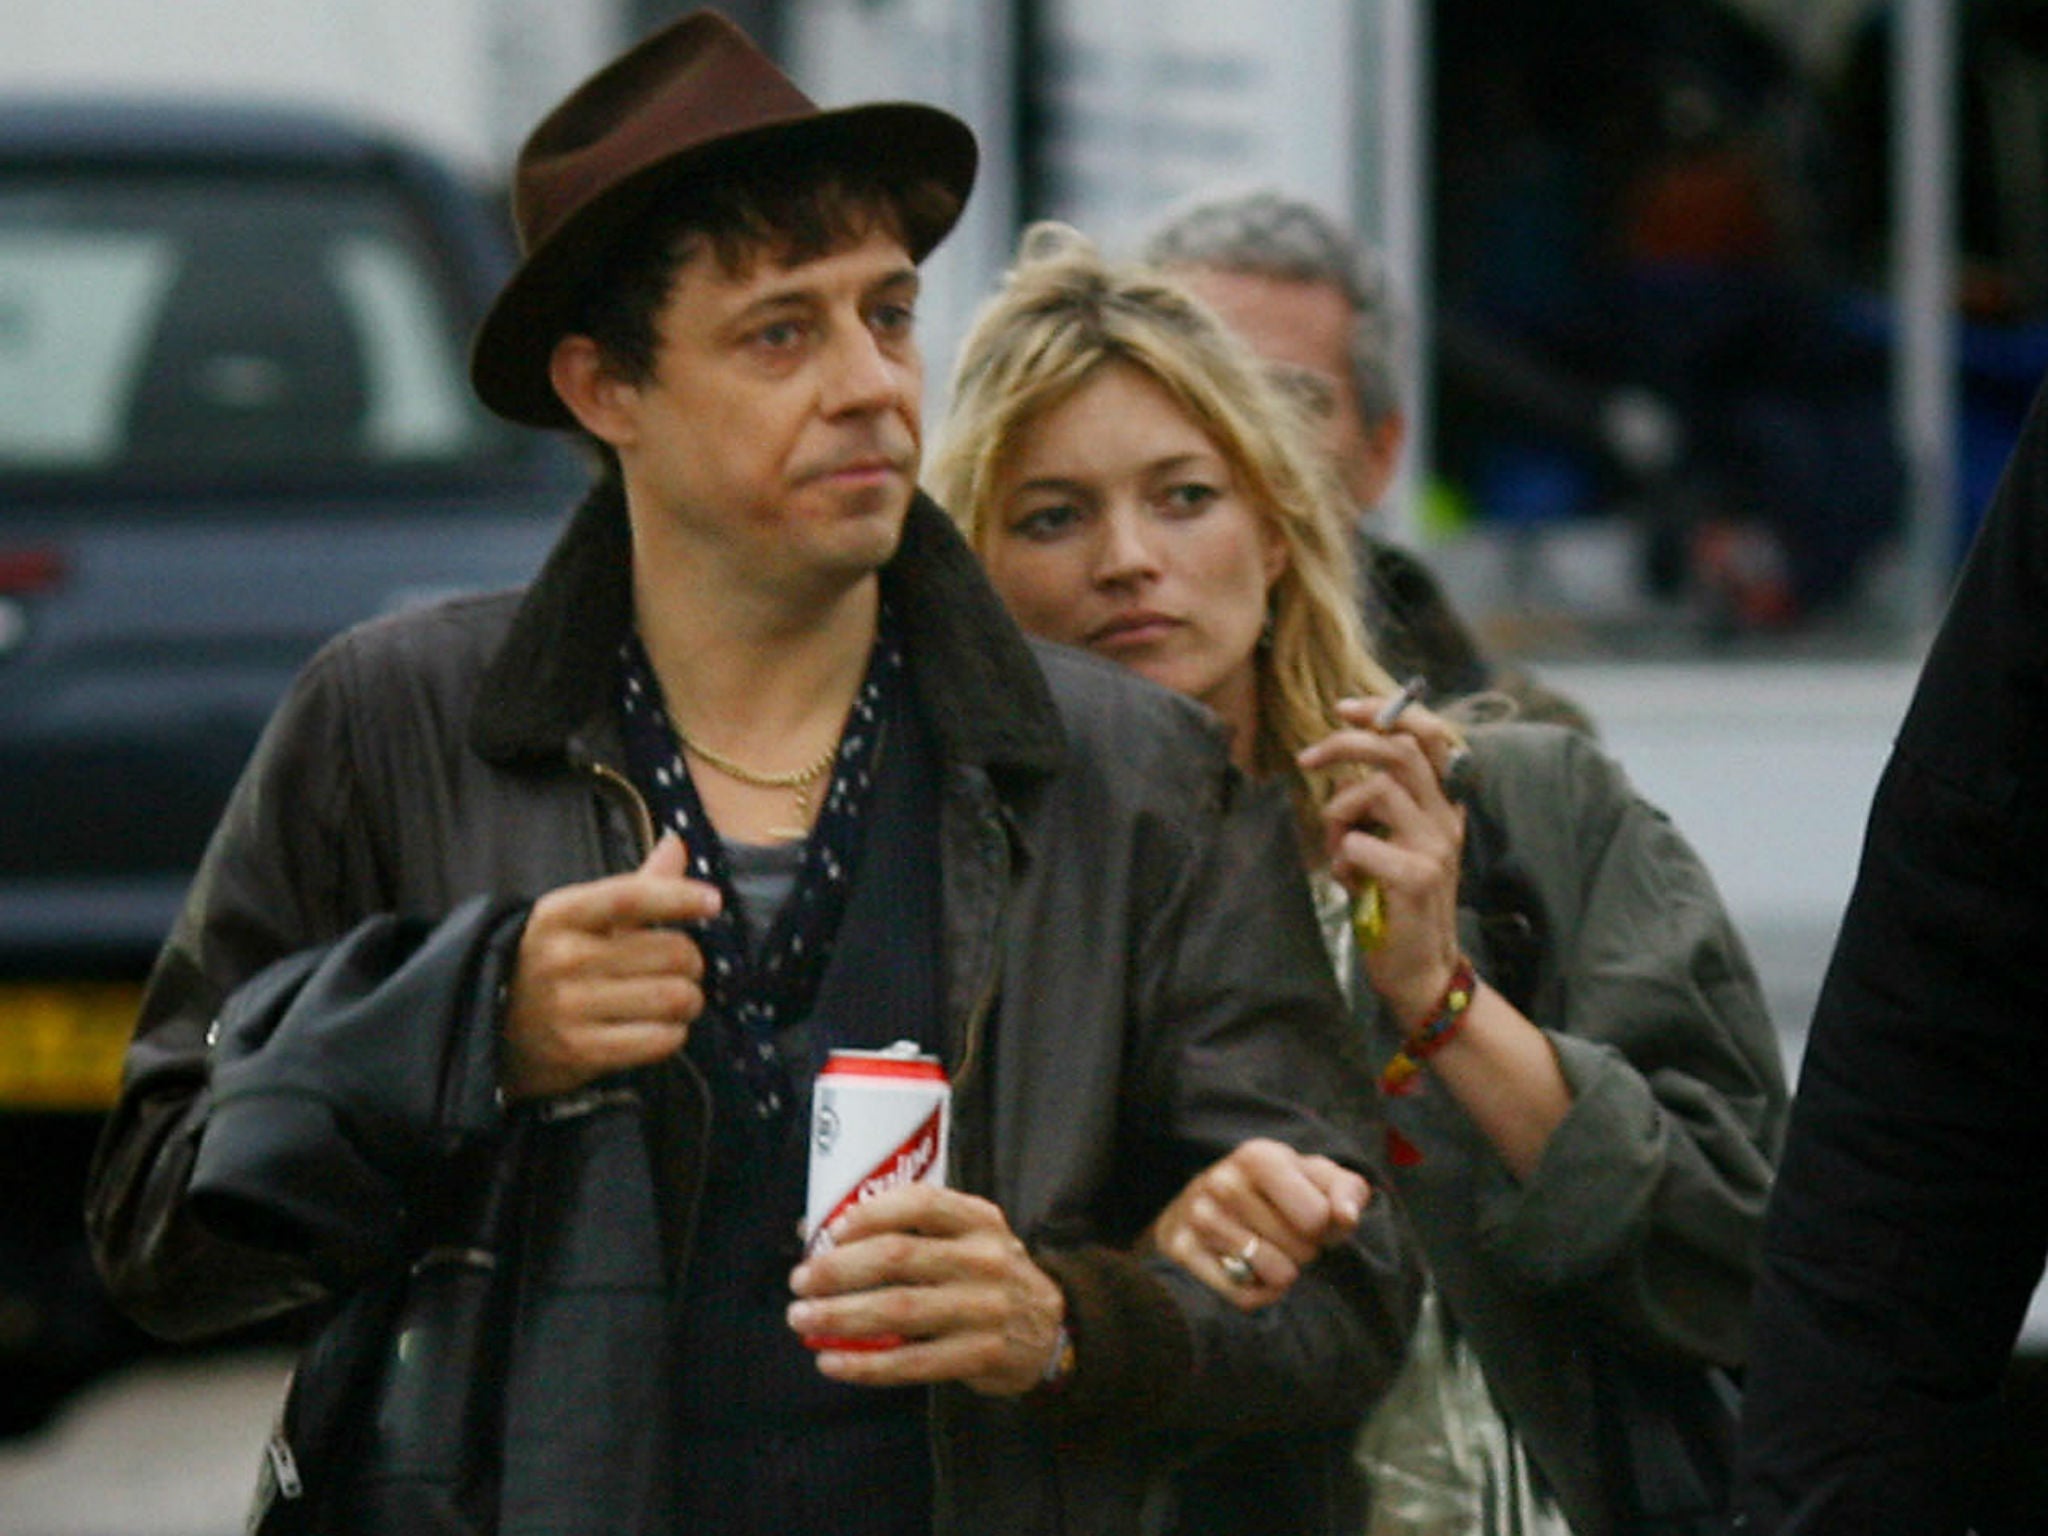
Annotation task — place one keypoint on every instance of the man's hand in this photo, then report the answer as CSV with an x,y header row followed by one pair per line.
x,y
941,1272
1248,1224
604,981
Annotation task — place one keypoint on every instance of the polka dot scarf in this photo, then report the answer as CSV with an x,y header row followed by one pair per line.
x,y
754,995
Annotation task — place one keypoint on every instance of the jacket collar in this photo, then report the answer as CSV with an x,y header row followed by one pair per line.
x,y
982,692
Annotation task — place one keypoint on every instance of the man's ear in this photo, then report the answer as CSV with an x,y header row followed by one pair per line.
x,y
1378,460
596,397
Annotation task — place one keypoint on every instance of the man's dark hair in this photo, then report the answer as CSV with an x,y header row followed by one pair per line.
x,y
789,214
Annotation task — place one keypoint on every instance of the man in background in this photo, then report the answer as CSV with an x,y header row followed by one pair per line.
x,y
1319,305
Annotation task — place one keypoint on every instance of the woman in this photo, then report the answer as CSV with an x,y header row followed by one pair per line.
x,y
1583,1091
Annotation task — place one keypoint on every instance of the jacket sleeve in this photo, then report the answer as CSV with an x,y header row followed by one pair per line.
x,y
1243,1034
1648,1202
286,1013
1910,1221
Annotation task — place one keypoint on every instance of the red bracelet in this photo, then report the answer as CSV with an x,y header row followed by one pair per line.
x,y
1433,1033
1444,1021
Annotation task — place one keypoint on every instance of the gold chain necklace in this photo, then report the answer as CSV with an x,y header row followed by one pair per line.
x,y
799,780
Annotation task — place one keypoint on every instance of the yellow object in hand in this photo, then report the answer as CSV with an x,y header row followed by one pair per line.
x,y
1369,916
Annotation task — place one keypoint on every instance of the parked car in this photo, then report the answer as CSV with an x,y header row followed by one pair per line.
x,y
234,418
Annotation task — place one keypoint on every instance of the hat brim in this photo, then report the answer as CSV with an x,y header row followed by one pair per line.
x,y
509,359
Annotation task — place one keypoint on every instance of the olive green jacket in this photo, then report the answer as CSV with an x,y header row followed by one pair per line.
x,y
1640,1228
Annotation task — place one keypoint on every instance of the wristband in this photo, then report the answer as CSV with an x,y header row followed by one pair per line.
x,y
1434,1033
1447,1018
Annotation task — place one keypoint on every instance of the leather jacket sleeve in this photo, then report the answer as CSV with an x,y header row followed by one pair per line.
x,y
1213,1073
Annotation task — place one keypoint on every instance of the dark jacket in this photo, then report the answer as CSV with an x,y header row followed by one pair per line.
x,y
1413,630
1910,1219
1133,983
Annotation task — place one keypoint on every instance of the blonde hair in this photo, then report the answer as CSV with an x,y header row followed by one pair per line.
x,y
1062,315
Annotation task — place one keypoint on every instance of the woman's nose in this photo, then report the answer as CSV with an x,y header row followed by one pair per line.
x,y
1127,552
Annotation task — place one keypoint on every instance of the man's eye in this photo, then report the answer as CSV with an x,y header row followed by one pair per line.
x,y
894,319
779,336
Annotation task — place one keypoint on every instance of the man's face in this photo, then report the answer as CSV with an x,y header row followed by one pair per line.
x,y
1307,326
778,437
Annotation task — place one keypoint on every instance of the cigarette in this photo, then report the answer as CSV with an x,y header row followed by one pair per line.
x,y
1411,692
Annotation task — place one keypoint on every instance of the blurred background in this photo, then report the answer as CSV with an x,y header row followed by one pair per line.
x,y
1722,315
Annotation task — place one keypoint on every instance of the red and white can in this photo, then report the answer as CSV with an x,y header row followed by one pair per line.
x,y
878,1119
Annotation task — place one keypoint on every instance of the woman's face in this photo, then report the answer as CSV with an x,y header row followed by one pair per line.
x,y
1117,525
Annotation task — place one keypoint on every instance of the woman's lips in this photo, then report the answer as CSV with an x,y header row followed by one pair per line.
x,y
1133,631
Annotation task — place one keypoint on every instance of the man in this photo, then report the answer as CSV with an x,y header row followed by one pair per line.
x,y
571,891
1910,1218
1320,306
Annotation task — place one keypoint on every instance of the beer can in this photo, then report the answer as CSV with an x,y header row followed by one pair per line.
x,y
878,1119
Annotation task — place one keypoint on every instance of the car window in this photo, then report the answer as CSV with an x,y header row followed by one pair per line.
x,y
212,328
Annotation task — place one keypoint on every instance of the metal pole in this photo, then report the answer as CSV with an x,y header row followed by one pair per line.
x,y
1395,209
1923,172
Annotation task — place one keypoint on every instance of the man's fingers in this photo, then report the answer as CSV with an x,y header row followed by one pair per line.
x,y
607,1002
648,896
937,1276
668,859
541,1065
641,952
913,1237
604,981
929,1210
615,1047
641,900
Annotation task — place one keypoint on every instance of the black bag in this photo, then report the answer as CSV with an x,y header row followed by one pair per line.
x,y
394,1417
1667,1445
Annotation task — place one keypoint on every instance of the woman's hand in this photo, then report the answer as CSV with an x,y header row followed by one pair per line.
x,y
1247,1225
1398,827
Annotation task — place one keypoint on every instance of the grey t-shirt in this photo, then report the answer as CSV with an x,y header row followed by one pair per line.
x,y
763,875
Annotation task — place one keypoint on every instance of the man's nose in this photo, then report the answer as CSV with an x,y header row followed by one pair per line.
x,y
864,375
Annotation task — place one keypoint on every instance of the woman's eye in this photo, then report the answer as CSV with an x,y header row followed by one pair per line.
x,y
1191,496
1049,522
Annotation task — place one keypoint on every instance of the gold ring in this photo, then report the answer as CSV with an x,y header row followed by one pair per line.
x,y
1237,1269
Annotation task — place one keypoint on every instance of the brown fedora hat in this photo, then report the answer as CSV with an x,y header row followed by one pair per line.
x,y
693,98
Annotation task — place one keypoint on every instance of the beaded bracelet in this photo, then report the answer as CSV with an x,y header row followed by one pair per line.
x,y
1433,1033
1445,1020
